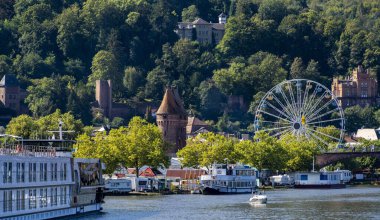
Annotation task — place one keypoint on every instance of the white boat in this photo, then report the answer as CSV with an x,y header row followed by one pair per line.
x,y
318,180
258,198
231,180
41,180
118,186
282,180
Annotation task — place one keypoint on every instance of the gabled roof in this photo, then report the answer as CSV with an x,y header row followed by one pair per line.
x,y
9,80
171,103
222,15
200,21
218,26
195,121
368,134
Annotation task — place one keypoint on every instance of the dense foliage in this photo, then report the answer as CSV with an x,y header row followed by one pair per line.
x,y
138,144
264,152
58,48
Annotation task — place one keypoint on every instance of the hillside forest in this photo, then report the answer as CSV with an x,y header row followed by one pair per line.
x,y
57,49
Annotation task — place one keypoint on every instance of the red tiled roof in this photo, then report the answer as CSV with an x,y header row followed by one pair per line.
x,y
185,174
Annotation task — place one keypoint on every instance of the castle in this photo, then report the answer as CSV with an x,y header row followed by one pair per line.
x,y
171,119
202,31
358,89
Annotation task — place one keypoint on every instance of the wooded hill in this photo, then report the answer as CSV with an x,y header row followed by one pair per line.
x,y
57,49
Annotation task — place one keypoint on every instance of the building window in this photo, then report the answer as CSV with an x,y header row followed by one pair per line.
x,y
7,175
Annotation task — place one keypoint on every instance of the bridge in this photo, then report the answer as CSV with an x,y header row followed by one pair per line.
x,y
325,159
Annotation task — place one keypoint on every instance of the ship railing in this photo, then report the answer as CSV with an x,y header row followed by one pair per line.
x,y
28,150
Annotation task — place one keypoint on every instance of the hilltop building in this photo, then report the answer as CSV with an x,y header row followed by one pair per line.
x,y
171,118
195,126
11,95
358,89
203,31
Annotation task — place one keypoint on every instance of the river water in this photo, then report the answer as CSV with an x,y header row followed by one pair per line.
x,y
350,203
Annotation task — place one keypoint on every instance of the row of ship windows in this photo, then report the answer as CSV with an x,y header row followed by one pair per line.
x,y
20,173
236,184
31,199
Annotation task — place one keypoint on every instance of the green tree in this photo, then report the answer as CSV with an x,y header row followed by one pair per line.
x,y
207,149
70,38
23,126
300,152
104,67
133,79
211,100
297,68
6,9
143,145
5,65
101,146
47,94
266,152
190,13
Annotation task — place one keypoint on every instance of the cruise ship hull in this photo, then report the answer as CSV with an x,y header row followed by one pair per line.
x,y
319,186
60,213
213,191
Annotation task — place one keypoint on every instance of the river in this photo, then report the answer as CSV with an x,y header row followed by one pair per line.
x,y
359,202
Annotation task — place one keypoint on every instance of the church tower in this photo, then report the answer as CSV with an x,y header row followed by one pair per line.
x,y
172,119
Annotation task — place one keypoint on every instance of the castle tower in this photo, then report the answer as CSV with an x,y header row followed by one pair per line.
x,y
10,92
172,119
103,95
222,18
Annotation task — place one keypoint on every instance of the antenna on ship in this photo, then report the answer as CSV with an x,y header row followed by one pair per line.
x,y
60,131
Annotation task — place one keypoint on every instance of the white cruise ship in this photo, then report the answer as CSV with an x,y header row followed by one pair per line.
x,y
223,180
39,179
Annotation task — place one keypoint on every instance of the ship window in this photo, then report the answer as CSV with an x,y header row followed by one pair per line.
x,y
304,177
32,199
53,171
7,205
62,195
323,177
64,171
32,172
20,172
53,196
20,202
43,198
7,169
43,171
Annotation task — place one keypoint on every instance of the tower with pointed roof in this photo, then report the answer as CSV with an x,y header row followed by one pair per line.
x,y
10,92
171,118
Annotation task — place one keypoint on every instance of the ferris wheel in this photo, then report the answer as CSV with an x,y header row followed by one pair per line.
x,y
302,108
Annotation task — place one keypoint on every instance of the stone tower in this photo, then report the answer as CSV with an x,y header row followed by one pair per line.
x,y
103,96
10,92
172,120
